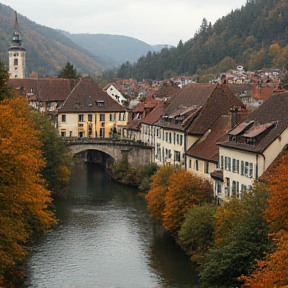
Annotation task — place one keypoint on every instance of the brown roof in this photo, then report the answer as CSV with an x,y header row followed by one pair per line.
x,y
191,94
167,90
273,110
45,89
154,115
217,175
206,147
219,102
85,98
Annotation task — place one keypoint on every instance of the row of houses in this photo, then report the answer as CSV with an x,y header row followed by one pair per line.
x,y
207,130
204,128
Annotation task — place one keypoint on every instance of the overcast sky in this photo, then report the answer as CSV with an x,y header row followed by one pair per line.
x,y
152,21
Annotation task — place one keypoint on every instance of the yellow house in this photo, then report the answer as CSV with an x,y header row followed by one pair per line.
x,y
89,112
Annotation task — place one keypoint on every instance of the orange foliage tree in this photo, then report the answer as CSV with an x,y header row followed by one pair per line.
x,y
184,191
159,187
274,267
24,201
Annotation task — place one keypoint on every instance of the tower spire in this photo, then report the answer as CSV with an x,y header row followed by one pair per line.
x,y
16,40
17,53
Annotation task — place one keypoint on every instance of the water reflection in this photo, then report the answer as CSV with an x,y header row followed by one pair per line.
x,y
105,238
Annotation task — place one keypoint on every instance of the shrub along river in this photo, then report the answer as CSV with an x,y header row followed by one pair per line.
x,y
105,238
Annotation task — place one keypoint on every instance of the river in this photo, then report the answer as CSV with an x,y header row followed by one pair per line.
x,y
106,239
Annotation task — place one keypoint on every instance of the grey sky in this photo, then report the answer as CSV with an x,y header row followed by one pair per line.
x,y
152,21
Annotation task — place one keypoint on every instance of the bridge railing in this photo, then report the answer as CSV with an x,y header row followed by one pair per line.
x,y
86,140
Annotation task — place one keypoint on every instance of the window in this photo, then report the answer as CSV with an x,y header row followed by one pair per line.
x,y
218,187
102,132
228,163
16,61
181,140
177,140
81,134
196,165
158,134
166,136
242,168
158,155
221,162
81,118
70,133
122,116
251,170
246,168
102,117
63,133
206,167
63,118
235,166
177,156
190,163
100,103
89,117
112,117
170,138
243,188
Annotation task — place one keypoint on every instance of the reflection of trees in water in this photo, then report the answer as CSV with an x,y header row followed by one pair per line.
x,y
173,267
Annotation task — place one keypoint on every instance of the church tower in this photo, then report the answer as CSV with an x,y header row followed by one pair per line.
x,y
17,54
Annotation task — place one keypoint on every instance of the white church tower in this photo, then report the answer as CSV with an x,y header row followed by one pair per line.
x,y
17,54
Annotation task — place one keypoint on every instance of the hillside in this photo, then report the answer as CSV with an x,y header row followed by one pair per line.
x,y
114,48
48,50
254,36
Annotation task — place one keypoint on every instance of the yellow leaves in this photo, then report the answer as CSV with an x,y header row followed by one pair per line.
x,y
173,193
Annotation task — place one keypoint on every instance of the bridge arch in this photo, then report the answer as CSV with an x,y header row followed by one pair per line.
x,y
136,153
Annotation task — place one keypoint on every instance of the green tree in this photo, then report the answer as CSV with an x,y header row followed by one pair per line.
x,y
197,231
5,89
68,72
247,240
56,153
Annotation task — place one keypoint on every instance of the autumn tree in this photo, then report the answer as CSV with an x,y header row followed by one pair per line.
x,y
184,191
274,267
68,72
272,271
245,240
277,212
159,187
24,201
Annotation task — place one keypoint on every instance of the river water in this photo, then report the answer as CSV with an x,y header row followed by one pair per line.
x,y
105,239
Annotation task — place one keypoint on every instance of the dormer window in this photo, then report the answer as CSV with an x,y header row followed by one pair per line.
x,y
100,103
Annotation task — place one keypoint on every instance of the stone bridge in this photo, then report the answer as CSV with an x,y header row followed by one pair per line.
x,y
100,150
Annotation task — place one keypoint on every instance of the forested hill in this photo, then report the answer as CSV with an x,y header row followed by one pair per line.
x,y
48,50
253,36
114,48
